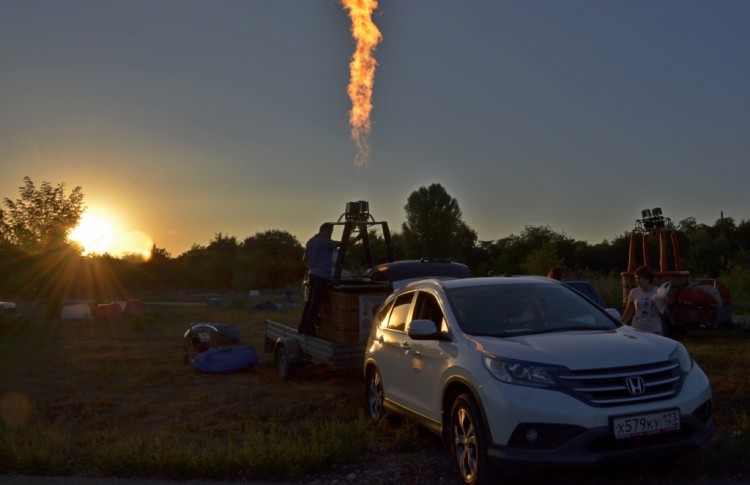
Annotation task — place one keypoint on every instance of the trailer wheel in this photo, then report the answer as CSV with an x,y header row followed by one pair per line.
x,y
284,365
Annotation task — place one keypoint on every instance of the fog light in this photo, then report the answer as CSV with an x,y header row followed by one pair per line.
x,y
532,436
543,435
703,412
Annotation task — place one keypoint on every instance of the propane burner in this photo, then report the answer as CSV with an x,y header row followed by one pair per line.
x,y
653,220
357,211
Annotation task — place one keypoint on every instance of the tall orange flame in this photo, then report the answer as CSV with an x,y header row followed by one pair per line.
x,y
362,73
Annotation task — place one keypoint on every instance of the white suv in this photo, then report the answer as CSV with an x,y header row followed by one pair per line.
x,y
528,370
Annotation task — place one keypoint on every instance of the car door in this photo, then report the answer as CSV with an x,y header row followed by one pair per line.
x,y
426,360
393,349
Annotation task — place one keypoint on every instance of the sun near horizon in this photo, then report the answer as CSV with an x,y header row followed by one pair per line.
x,y
100,234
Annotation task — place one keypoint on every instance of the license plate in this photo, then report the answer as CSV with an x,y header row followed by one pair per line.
x,y
646,424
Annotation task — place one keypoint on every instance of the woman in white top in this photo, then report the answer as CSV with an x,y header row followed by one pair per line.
x,y
641,307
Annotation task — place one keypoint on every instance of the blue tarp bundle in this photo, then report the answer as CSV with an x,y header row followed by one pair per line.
x,y
226,360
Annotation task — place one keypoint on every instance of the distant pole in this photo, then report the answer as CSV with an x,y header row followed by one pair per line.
x,y
676,248
631,253
662,251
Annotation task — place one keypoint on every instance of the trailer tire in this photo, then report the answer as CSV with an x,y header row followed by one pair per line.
x,y
285,365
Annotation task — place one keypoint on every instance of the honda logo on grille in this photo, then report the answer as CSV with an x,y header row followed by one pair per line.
x,y
635,385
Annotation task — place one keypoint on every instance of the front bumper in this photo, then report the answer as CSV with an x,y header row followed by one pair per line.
x,y
596,446
573,432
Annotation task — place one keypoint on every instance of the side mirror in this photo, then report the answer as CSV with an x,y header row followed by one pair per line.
x,y
422,329
614,313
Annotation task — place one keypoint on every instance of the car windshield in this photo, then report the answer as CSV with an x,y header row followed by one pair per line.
x,y
526,308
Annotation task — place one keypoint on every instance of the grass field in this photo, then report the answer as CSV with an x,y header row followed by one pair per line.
x,y
114,398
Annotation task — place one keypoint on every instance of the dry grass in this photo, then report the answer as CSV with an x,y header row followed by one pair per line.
x,y
114,398
725,356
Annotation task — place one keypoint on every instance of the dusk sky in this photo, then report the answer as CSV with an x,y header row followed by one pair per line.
x,y
181,119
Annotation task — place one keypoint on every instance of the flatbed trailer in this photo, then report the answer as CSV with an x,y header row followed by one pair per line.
x,y
351,304
291,349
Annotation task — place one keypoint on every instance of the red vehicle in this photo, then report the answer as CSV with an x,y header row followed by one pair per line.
x,y
704,304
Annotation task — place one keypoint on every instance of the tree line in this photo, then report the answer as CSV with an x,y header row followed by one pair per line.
x,y
38,261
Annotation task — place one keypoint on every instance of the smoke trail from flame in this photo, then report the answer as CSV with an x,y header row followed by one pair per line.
x,y
362,73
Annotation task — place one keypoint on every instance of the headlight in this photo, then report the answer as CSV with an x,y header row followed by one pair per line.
x,y
520,373
681,355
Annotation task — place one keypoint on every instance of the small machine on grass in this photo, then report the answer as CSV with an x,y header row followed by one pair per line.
x,y
201,337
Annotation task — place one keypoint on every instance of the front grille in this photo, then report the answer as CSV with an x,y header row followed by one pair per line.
x,y
624,385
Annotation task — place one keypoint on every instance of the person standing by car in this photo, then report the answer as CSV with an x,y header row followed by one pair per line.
x,y
557,273
642,311
318,258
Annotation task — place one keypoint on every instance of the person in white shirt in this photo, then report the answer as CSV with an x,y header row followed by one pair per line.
x,y
642,310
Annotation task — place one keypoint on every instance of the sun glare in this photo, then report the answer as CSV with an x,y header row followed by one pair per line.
x,y
94,234
98,233
136,244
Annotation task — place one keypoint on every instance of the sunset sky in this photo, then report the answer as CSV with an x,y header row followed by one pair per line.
x,y
181,119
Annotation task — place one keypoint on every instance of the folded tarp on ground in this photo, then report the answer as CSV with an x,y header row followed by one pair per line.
x,y
133,307
226,360
108,310
77,311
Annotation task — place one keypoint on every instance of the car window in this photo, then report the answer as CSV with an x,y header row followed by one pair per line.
x,y
399,312
508,309
383,313
428,308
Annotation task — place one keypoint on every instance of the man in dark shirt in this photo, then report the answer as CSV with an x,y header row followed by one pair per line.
x,y
319,261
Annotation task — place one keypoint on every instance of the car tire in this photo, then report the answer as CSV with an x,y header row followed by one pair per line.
x,y
374,395
468,442
284,365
